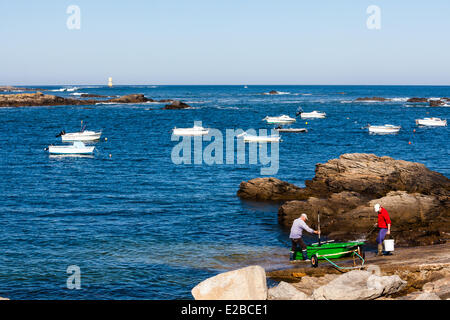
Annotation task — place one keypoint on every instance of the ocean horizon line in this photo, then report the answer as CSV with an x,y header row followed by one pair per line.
x,y
233,85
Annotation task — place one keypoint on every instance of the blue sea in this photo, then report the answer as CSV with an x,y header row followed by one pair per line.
x,y
139,226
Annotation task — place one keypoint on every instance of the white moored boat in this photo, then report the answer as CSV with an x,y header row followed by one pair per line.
x,y
294,130
311,115
431,122
194,131
251,138
386,129
82,136
280,119
77,147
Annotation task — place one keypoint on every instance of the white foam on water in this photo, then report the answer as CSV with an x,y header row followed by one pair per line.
x,y
229,108
400,99
65,89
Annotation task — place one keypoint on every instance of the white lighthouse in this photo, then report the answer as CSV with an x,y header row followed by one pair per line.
x,y
110,84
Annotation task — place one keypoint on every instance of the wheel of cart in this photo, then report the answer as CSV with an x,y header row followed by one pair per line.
x,y
314,261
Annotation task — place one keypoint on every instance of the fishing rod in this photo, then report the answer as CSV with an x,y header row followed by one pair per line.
x,y
318,222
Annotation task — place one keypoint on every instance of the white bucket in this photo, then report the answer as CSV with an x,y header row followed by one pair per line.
x,y
389,245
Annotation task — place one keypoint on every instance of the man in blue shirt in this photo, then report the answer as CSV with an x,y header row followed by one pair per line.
x,y
297,228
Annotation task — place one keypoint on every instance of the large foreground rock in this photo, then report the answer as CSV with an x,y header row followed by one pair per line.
x,y
286,291
359,285
428,296
440,287
344,191
244,284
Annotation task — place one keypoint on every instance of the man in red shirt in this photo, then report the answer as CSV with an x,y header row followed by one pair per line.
x,y
384,224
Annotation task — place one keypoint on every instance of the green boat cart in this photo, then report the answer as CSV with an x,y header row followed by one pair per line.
x,y
331,250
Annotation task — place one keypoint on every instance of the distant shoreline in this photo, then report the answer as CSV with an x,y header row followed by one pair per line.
x,y
40,100
229,85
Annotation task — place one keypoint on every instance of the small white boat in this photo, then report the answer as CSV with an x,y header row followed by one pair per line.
x,y
294,130
280,119
251,138
431,122
82,136
77,147
386,129
313,115
194,131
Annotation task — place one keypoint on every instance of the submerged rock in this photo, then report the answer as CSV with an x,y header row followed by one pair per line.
x,y
436,103
417,100
131,98
372,99
244,284
90,95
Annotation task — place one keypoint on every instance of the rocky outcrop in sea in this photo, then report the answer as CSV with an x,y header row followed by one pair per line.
x,y
176,104
432,102
40,99
345,190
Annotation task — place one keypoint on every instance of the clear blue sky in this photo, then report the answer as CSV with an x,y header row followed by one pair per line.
x,y
225,42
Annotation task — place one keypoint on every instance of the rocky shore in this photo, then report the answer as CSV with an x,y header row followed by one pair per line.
x,y
40,99
421,273
345,190
424,273
17,89
433,102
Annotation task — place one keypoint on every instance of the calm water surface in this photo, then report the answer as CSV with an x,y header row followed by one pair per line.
x,y
141,227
